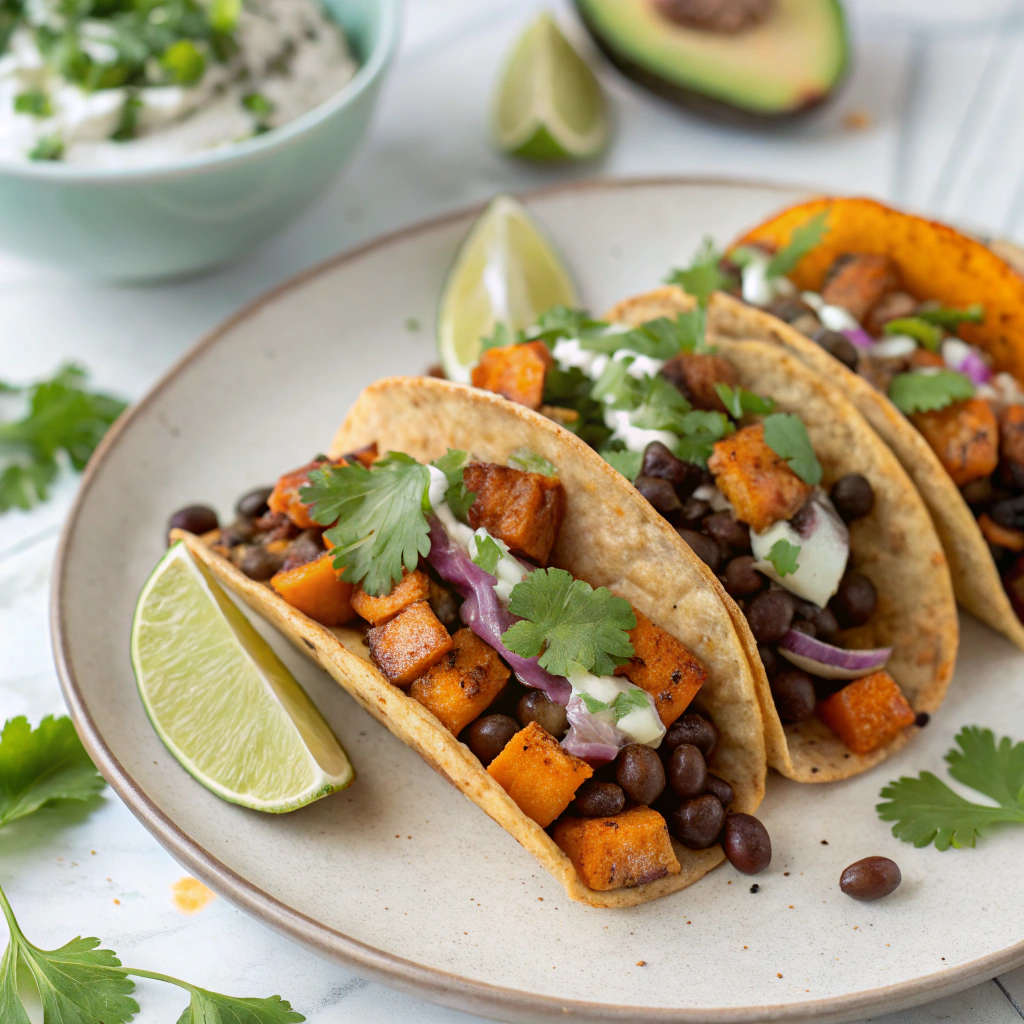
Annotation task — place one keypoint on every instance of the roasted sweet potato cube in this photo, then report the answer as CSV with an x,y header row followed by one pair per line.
x,y
316,590
619,851
965,436
923,359
538,774
515,371
859,282
759,483
1002,536
663,667
414,586
695,374
867,713
525,510
285,496
407,645
464,683
1011,443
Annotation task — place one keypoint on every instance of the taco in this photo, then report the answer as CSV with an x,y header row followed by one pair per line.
x,y
922,328
771,476
515,614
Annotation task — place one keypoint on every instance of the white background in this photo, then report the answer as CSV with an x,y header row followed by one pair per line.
x,y
940,83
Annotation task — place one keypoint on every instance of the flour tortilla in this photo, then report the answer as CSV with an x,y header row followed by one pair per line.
x,y
611,538
895,546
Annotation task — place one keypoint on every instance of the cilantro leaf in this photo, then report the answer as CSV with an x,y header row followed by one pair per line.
x,y
380,524
626,462
531,462
661,338
26,486
38,766
562,322
740,400
567,623
458,499
616,388
801,242
628,701
918,328
660,406
488,554
594,706
704,275
783,556
503,335
786,435
924,392
34,102
213,1008
699,430
951,319
926,810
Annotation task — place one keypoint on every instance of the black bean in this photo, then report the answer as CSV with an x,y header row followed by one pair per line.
x,y
444,603
720,789
660,493
770,615
687,770
697,822
196,519
769,659
793,693
660,462
805,518
855,601
729,532
746,843
837,345
537,706
826,624
870,878
978,492
254,504
694,510
596,799
488,736
741,579
804,626
922,719
640,773
693,729
1009,512
852,496
307,546
705,548
788,308
258,563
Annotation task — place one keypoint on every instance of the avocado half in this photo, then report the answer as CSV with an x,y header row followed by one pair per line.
x,y
785,66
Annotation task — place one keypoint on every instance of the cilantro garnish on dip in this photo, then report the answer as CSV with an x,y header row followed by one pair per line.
x,y
132,84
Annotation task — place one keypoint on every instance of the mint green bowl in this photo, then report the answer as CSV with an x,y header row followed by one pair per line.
x,y
205,209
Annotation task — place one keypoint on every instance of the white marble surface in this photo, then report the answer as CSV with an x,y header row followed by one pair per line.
x,y
940,83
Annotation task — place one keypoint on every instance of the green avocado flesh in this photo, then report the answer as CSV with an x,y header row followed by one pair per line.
x,y
787,64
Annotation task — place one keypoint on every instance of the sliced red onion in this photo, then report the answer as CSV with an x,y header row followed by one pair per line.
x,y
594,739
974,367
858,336
483,613
830,662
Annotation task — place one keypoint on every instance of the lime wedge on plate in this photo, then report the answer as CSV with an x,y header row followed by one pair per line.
x,y
507,272
222,701
549,105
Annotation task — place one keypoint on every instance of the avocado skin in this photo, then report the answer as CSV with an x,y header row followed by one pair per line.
x,y
709,106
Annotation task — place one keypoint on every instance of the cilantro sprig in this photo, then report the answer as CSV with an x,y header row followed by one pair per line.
x,y
458,499
704,274
925,810
786,435
783,557
488,554
739,400
625,703
569,623
530,462
661,338
81,983
628,463
926,392
804,238
63,419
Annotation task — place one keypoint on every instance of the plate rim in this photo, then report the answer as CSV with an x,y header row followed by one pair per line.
x,y
434,984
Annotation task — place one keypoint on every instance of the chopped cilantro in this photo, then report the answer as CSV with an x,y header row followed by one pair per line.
x,y
49,147
801,242
917,328
951,319
625,703
660,406
699,430
568,623
616,388
488,554
503,335
531,462
743,255
34,102
661,338
704,274
926,810
380,524
626,462
458,499
183,62
739,400
783,556
925,392
561,322
258,104
786,435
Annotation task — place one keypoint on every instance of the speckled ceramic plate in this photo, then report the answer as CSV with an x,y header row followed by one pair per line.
x,y
400,877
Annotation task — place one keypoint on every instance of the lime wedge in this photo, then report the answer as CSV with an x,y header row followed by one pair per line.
x,y
506,271
222,701
549,105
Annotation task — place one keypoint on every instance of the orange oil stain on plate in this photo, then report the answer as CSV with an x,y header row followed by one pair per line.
x,y
189,895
